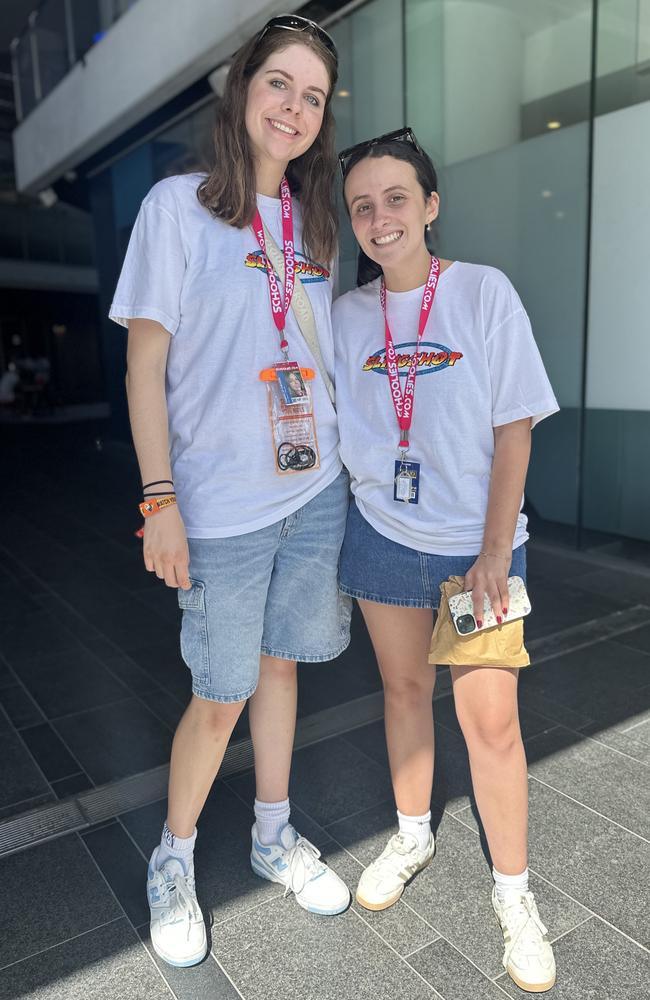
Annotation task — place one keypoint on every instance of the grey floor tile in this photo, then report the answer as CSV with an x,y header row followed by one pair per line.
x,y
200,982
116,740
626,587
38,635
582,682
163,704
332,779
639,638
452,974
109,963
20,778
594,962
323,685
226,884
634,743
556,608
331,957
26,805
553,711
20,706
127,671
599,864
50,893
73,785
51,755
123,867
544,566
454,895
132,625
67,615
399,926
451,780
162,662
70,681
594,775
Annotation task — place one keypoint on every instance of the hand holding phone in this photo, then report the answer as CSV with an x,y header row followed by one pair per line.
x,y
461,608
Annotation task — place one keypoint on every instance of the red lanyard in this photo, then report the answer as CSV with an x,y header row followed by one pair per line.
x,y
278,308
403,402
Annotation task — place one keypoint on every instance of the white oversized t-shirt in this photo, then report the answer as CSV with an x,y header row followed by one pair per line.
x,y
206,283
479,368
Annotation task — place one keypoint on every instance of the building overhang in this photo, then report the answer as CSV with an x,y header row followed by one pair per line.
x,y
151,54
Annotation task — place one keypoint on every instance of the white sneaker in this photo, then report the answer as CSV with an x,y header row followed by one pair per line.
x,y
177,927
382,883
528,958
294,863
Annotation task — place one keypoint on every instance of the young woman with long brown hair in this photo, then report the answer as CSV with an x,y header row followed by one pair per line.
x,y
246,486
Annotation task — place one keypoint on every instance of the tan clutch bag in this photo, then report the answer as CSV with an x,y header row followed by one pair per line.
x,y
502,646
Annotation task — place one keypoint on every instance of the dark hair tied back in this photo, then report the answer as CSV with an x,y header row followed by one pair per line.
x,y
368,269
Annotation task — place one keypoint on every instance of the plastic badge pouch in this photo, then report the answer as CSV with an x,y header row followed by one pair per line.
x,y
293,429
462,611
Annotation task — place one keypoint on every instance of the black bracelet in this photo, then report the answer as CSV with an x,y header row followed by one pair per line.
x,y
157,482
161,493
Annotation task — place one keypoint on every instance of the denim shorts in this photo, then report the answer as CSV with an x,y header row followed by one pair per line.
x,y
271,591
375,568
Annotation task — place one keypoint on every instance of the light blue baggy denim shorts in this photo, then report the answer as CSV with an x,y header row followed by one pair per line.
x,y
375,568
272,591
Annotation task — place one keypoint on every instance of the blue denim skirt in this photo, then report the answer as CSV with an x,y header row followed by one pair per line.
x,y
375,568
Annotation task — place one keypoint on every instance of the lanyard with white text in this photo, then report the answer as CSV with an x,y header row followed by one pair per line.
x,y
407,473
279,308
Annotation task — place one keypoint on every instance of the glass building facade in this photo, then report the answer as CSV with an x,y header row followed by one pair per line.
x,y
537,116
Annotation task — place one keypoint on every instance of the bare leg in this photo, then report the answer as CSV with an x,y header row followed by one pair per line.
x,y
199,744
401,639
272,717
486,705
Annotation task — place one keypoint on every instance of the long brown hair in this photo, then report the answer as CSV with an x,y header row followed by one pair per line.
x,y
229,190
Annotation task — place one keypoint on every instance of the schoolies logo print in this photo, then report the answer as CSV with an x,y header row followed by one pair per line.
x,y
431,358
305,269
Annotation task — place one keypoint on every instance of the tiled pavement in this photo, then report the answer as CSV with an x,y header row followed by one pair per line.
x,y
91,687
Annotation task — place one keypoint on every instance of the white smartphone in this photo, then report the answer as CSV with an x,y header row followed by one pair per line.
x,y
462,610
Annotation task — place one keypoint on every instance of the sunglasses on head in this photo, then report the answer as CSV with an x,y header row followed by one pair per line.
x,y
400,135
292,22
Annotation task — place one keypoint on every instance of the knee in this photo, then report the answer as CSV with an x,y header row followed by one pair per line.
x,y
494,732
278,671
409,692
214,716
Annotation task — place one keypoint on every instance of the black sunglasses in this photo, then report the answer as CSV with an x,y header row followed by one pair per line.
x,y
292,22
400,135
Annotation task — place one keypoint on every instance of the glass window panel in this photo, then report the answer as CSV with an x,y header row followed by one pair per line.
x,y
50,31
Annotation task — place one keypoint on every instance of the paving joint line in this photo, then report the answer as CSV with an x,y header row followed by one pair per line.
x,y
58,944
577,802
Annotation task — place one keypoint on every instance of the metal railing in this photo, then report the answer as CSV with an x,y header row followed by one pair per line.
x,y
58,34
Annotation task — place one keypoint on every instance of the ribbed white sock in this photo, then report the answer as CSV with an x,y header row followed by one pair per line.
x,y
418,826
270,817
181,848
508,883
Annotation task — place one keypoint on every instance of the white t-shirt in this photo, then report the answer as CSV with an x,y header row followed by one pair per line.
x,y
206,283
479,369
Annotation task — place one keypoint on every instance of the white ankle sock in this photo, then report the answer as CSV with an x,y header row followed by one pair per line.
x,y
181,848
508,883
270,817
418,826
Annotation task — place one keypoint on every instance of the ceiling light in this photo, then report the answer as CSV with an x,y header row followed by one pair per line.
x,y
342,93
553,124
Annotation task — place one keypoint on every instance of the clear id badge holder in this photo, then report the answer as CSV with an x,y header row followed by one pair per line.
x,y
291,415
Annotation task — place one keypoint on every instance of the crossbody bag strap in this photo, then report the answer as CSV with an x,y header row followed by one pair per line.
x,y
303,312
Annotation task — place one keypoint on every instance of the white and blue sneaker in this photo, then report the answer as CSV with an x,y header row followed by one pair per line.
x,y
177,926
294,863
